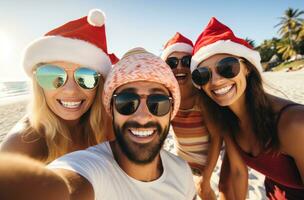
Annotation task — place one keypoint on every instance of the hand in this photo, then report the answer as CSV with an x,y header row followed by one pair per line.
x,y
204,190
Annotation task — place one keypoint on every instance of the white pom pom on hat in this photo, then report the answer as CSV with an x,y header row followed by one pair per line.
x,y
96,17
74,41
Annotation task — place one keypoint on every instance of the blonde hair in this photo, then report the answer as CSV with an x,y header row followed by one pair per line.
x,y
55,133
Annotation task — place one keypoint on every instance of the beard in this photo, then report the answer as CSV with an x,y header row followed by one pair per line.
x,y
136,152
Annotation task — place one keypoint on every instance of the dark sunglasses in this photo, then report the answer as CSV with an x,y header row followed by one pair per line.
x,y
173,61
126,103
51,77
228,67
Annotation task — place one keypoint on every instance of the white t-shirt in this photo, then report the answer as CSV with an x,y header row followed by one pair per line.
x,y
110,182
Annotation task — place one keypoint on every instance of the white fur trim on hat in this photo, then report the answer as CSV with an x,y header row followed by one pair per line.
x,y
58,48
226,47
180,47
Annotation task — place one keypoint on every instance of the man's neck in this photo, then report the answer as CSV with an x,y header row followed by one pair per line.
x,y
142,172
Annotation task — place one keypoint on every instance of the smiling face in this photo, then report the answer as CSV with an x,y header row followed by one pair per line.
x,y
224,91
141,134
183,76
70,101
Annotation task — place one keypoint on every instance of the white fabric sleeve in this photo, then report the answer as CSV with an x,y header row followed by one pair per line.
x,y
83,163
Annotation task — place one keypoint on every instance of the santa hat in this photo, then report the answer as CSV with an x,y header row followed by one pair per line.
x,y
219,39
140,65
178,43
82,41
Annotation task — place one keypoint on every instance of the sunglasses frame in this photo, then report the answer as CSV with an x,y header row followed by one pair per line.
x,y
139,99
179,60
217,71
67,77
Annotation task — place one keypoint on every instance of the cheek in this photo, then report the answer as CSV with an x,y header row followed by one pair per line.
x,y
49,96
206,90
90,95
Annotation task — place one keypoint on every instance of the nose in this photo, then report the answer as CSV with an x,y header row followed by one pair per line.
x,y
215,77
142,114
179,64
70,87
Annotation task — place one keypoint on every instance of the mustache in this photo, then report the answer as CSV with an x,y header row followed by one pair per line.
x,y
134,124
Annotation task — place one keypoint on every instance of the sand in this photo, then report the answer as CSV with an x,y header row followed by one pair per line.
x,y
287,85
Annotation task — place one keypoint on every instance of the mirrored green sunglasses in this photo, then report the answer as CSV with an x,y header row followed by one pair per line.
x,y
51,77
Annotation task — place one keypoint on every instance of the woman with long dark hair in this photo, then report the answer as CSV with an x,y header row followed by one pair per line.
x,y
268,131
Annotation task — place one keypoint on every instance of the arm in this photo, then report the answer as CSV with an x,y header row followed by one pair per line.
x,y
291,136
22,178
27,179
204,188
238,170
213,154
22,141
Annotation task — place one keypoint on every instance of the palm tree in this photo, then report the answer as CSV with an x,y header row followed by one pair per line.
x,y
289,22
286,49
250,41
288,28
300,31
268,48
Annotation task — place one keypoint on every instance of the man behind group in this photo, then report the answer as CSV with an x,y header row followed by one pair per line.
x,y
142,96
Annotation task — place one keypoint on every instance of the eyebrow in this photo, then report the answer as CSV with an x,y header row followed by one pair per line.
x,y
153,90
129,90
157,90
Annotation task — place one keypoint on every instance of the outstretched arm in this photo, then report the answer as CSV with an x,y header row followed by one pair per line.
x,y
22,178
291,135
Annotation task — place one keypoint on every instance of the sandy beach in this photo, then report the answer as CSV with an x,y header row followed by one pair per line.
x,y
287,85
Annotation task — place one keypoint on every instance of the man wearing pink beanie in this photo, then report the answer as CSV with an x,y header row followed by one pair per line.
x,y
142,96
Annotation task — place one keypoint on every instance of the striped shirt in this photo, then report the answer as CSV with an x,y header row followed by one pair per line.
x,y
191,137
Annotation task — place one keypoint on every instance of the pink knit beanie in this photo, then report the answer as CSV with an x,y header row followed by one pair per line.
x,y
140,65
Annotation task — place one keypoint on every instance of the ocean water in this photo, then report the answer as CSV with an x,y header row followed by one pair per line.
x,y
13,88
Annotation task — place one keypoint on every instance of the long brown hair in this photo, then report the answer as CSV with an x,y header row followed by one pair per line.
x,y
259,109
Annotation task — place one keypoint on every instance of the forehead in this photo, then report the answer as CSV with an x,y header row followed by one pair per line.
x,y
178,54
65,65
214,59
143,87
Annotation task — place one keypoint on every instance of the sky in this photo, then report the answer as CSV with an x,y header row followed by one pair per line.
x,y
133,23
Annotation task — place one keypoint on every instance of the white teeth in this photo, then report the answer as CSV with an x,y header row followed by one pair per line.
x,y
69,104
223,90
141,133
180,75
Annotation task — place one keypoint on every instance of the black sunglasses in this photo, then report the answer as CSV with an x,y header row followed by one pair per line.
x,y
228,67
126,103
173,61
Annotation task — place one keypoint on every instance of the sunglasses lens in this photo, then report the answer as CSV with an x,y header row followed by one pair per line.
x,y
50,77
172,62
228,67
86,78
201,76
159,104
186,61
126,103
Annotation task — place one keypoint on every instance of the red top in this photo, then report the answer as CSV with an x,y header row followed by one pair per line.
x,y
278,167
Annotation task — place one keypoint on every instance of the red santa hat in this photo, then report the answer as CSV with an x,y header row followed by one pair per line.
x,y
82,41
178,43
219,39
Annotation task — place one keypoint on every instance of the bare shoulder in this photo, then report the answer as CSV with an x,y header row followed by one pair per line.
x,y
291,127
79,187
22,139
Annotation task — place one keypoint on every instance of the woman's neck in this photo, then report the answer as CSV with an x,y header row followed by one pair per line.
x,y
239,108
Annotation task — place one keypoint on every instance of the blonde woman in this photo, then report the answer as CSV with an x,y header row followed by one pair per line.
x,y
67,66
